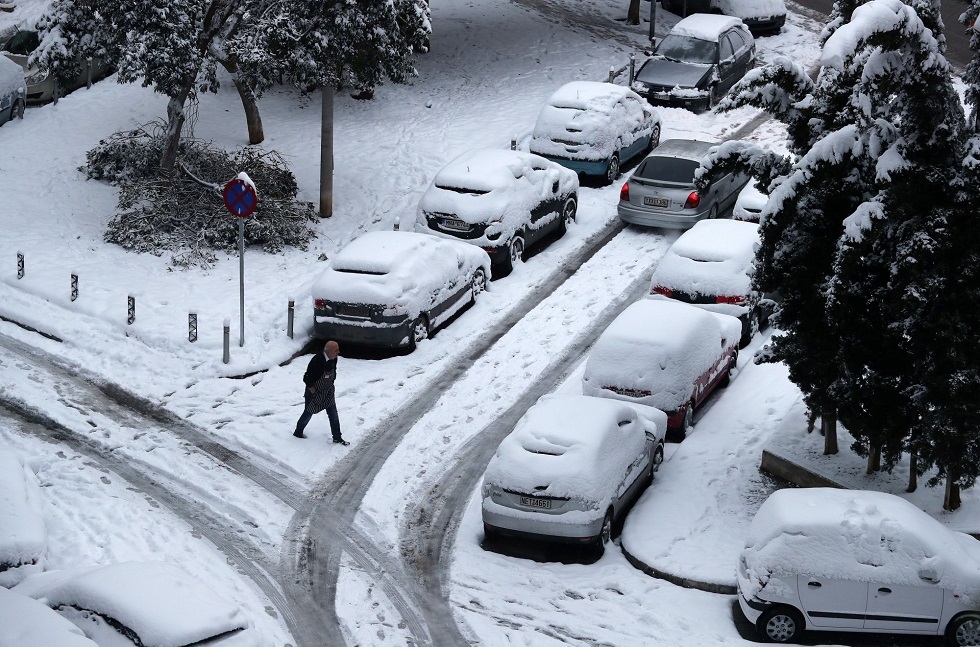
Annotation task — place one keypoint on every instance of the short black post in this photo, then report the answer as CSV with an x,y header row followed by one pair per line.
x,y
612,74
397,225
632,67
20,265
192,327
74,286
292,309
227,342
132,310
513,143
88,73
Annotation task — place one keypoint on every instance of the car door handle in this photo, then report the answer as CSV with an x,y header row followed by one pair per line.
x,y
884,590
815,585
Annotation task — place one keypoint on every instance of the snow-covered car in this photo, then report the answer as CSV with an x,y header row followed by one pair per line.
x,y
41,84
570,469
697,62
593,128
394,288
661,191
503,201
664,354
760,16
23,535
710,266
25,622
143,604
13,91
750,203
822,559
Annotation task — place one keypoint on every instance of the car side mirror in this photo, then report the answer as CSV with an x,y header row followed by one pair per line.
x,y
928,574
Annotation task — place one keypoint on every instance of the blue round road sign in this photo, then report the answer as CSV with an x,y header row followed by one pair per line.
x,y
240,198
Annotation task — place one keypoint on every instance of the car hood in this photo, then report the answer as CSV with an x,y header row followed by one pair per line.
x,y
660,71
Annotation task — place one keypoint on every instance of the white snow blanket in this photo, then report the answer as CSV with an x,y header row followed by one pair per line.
x,y
705,26
23,537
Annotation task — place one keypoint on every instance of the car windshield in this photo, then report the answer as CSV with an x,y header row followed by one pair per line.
x,y
668,169
23,43
687,49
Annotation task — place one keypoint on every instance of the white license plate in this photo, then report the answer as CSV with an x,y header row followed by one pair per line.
x,y
452,223
532,502
655,202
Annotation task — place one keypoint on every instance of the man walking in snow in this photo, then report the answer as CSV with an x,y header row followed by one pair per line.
x,y
319,394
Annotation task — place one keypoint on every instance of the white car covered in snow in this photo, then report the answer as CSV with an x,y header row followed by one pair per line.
x,y
824,559
503,201
143,604
710,266
393,288
750,203
23,536
594,128
570,468
25,622
13,91
664,354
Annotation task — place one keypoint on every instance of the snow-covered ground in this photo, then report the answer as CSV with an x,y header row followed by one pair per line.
x,y
492,65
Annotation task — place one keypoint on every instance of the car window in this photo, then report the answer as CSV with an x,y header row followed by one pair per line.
x,y
668,169
739,41
23,43
726,51
687,49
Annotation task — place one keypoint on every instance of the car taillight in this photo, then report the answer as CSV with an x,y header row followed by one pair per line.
x,y
624,193
737,300
659,289
693,200
320,304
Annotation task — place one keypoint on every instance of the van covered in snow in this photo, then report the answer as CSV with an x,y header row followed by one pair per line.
x,y
823,559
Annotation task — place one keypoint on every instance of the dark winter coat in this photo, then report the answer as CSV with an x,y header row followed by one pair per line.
x,y
320,374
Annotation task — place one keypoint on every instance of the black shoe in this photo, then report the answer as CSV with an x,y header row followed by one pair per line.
x,y
341,441
300,435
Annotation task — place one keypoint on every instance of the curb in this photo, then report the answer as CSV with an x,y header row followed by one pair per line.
x,y
785,469
687,583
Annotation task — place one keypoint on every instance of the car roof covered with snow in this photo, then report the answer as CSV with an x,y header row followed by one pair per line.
x,y
660,347
705,26
572,445
714,257
397,267
158,601
746,9
23,535
858,535
25,622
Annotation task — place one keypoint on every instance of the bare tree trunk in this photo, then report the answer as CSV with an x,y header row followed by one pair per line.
x,y
913,473
256,135
951,499
326,153
828,427
633,15
175,125
874,460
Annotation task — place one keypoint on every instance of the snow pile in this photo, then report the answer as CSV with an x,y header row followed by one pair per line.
x,y
590,121
572,446
11,77
745,9
856,535
654,351
23,537
158,601
705,26
25,622
750,203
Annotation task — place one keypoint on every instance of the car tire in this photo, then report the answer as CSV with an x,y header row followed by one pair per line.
x,y
750,326
654,139
567,216
612,171
963,630
727,379
780,625
418,332
712,97
658,459
515,252
19,110
713,212
478,284
688,423
605,533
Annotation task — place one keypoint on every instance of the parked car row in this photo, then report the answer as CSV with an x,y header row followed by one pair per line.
x,y
41,85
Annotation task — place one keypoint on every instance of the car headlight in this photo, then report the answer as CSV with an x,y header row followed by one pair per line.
x,y
37,77
396,310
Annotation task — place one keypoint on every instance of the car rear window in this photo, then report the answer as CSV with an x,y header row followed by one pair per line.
x,y
668,169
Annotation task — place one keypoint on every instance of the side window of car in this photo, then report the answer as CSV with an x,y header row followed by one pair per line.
x,y
738,41
726,50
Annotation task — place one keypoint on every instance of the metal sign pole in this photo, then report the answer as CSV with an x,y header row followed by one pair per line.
x,y
241,276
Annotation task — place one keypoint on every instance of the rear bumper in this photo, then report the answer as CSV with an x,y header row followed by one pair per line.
x,y
389,336
765,25
663,219
752,609
546,528
694,104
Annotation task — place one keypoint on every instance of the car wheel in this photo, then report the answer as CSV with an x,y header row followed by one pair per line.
x,y
419,331
712,97
18,111
750,326
964,630
654,139
688,423
780,625
567,216
612,171
478,284
727,379
658,458
713,212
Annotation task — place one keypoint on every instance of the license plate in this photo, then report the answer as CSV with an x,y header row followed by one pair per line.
x,y
532,502
655,202
458,225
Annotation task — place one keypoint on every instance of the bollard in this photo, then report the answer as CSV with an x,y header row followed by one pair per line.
x,y
192,327
632,68
292,308
88,73
132,310
74,286
612,73
513,143
227,343
397,222
20,265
